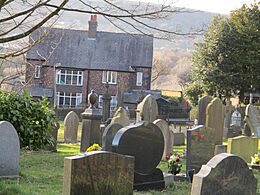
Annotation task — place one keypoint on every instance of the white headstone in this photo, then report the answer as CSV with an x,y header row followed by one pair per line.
x,y
236,118
253,119
9,150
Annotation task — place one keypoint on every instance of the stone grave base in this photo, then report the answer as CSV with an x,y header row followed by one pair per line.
x,y
181,178
168,179
151,181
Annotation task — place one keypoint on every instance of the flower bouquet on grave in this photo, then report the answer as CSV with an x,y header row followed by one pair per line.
x,y
174,164
94,147
255,160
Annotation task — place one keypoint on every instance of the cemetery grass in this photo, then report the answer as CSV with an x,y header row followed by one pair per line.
x,y
41,172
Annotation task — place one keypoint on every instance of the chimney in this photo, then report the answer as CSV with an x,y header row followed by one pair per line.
x,y
92,27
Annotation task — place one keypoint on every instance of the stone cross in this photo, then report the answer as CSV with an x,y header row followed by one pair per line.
x,y
106,104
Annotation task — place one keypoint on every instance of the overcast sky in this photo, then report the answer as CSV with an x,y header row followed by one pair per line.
x,y
218,6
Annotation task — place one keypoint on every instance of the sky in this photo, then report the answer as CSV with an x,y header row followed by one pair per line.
x,y
217,6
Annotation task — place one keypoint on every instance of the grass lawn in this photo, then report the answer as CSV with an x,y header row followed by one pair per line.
x,y
41,173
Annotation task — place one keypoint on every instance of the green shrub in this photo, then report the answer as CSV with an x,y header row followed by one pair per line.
x,y
33,120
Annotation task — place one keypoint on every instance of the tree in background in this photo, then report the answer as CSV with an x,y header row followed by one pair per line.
x,y
227,63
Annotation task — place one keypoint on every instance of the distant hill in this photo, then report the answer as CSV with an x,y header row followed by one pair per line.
x,y
181,22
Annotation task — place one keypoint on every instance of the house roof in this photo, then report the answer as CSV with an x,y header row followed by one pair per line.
x,y
109,51
133,96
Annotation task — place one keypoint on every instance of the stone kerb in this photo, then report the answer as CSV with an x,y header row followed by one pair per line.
x,y
224,174
9,151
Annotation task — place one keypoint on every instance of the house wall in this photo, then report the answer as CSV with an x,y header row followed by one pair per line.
x,y
93,76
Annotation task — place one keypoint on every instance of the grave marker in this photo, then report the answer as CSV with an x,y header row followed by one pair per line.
x,y
200,146
71,124
121,117
163,125
147,110
109,134
224,174
9,151
145,142
243,146
98,172
203,103
215,119
253,119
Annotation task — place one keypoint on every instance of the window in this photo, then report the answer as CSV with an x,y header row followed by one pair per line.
x,y
113,102
109,76
37,72
69,77
139,79
68,100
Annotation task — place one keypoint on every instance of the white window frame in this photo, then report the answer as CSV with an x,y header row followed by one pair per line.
x,y
109,77
139,79
37,71
64,96
73,73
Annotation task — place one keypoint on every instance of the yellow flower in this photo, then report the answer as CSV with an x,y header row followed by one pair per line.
x,y
94,147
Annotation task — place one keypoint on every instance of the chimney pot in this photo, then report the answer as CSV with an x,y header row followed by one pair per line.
x,y
92,27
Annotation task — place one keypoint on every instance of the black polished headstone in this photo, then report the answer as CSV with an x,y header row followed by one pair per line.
x,y
108,135
145,142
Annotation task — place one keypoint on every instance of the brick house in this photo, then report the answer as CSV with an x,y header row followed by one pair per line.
x,y
85,60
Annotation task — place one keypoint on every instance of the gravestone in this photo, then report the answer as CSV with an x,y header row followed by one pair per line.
x,y
178,139
200,146
109,134
253,119
243,146
163,125
236,118
145,142
9,151
220,149
202,105
121,117
71,124
147,110
229,109
98,172
224,174
215,119
91,120
234,131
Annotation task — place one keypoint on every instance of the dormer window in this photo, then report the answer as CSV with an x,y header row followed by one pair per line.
x,y
109,77
37,71
139,79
